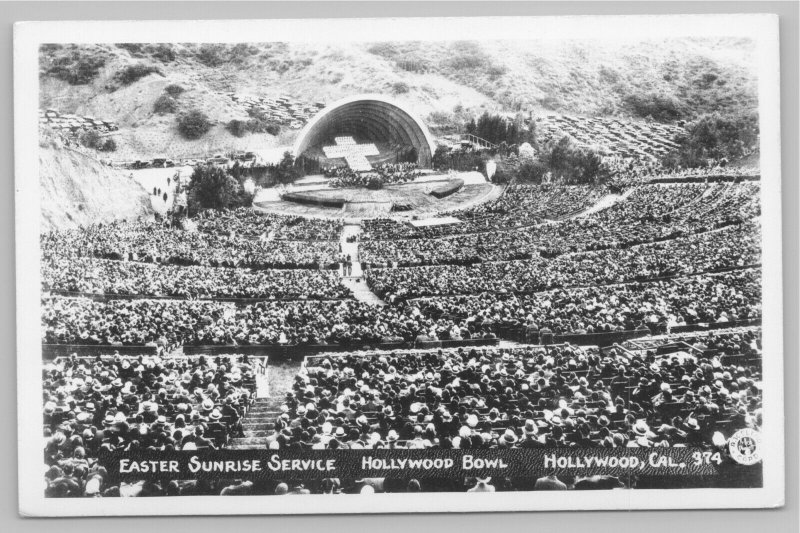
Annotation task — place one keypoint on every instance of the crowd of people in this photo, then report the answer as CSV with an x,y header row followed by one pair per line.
x,y
531,397
387,173
732,247
652,307
660,256
153,242
519,206
465,398
658,305
627,172
88,275
246,222
647,214
122,403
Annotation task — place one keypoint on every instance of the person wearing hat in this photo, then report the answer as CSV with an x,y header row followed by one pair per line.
x,y
508,440
216,428
694,436
231,414
530,432
200,440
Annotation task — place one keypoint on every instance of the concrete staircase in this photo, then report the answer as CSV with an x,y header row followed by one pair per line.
x,y
361,291
257,425
355,281
259,422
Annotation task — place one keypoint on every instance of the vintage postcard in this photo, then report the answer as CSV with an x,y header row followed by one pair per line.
x,y
461,265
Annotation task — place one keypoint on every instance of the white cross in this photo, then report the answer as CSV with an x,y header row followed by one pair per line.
x,y
354,154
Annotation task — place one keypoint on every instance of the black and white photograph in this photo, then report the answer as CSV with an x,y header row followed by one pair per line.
x,y
400,262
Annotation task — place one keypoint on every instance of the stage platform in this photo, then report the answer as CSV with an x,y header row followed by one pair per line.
x,y
365,203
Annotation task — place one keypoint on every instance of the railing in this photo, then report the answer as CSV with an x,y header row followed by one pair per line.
x,y
602,339
711,178
474,139
51,351
239,302
312,360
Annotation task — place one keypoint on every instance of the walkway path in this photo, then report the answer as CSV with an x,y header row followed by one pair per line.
x,y
355,279
603,203
259,422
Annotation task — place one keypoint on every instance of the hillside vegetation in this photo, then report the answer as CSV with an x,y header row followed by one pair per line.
x,y
77,189
445,82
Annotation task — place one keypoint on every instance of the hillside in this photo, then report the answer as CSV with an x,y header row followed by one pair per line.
x,y
77,189
445,82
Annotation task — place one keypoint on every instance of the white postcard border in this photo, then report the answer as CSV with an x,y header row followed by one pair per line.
x,y
763,29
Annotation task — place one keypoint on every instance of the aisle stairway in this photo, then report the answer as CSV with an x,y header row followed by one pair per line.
x,y
355,281
361,291
259,422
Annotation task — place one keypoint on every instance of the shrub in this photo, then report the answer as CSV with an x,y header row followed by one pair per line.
x,y
165,104
174,90
259,123
89,139
92,139
193,124
133,73
412,64
384,49
211,55
241,51
272,128
237,128
495,71
163,52
374,183
659,106
400,87
135,49
77,69
109,145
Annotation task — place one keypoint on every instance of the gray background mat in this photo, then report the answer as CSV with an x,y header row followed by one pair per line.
x,y
772,521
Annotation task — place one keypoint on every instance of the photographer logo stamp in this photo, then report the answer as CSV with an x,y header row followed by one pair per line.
x,y
744,446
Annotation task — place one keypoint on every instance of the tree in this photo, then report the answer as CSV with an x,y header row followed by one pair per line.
x,y
572,162
441,158
526,151
498,129
193,124
212,187
237,128
286,172
472,128
715,138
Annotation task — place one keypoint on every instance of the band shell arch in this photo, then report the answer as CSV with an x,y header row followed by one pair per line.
x,y
372,117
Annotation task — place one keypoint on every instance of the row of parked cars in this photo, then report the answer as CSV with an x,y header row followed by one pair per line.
x,y
74,124
614,137
284,110
243,158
